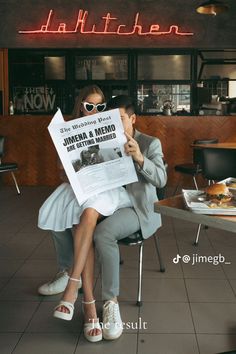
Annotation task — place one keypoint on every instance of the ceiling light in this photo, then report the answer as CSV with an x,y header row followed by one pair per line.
x,y
212,7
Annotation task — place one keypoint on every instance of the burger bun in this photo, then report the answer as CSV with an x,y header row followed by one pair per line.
x,y
218,193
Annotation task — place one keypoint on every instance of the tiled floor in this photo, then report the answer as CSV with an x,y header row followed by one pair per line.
x,y
189,309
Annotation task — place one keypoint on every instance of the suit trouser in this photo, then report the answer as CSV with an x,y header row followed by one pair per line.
x,y
121,224
64,246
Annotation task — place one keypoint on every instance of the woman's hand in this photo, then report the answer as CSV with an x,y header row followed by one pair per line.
x,y
132,149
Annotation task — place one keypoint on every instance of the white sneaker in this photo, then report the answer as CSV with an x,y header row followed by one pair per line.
x,y
56,285
112,323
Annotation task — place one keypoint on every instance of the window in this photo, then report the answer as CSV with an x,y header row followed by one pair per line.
x,y
55,68
101,67
217,72
164,81
38,82
26,68
154,98
42,80
164,67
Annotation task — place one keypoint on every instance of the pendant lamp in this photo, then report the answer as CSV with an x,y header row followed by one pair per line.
x,y
212,7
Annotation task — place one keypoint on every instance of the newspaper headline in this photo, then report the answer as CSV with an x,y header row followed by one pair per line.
x,y
91,150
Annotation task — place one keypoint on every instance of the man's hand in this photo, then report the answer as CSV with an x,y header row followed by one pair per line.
x,y
132,149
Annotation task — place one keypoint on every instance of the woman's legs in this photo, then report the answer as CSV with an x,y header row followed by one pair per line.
x,y
90,313
83,255
84,266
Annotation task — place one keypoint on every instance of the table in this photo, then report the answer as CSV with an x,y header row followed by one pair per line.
x,y
176,208
215,146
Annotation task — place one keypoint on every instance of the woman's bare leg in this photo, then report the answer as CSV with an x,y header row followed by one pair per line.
x,y
83,239
90,313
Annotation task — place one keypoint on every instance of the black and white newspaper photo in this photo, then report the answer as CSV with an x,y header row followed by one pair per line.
x,y
91,150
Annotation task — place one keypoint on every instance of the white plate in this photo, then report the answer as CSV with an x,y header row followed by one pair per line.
x,y
193,200
229,180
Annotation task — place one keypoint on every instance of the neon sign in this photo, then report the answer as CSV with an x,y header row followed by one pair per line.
x,y
154,29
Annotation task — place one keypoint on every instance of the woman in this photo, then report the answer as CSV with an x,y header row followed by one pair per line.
x,y
84,218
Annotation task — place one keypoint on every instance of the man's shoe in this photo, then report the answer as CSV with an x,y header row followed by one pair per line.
x,y
57,285
112,323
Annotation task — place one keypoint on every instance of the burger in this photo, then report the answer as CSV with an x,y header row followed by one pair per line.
x,y
218,193
232,184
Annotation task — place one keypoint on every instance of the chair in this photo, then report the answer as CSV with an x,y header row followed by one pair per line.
x,y
217,164
137,239
194,168
7,166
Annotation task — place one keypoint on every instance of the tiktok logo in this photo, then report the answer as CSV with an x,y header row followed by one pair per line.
x,y
176,259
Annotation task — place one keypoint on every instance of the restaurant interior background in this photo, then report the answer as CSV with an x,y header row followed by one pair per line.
x,y
178,65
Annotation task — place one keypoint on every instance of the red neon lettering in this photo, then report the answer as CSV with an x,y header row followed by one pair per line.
x,y
107,19
44,28
154,29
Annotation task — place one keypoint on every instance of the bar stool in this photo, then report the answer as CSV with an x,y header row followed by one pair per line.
x,y
136,239
8,166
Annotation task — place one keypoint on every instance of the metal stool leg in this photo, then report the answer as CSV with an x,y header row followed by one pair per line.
x,y
195,182
14,178
198,234
121,260
162,267
140,270
176,189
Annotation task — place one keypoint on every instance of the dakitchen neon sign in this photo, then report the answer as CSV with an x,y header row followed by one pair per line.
x,y
121,29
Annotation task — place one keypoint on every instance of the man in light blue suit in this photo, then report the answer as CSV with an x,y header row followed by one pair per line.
x,y
147,155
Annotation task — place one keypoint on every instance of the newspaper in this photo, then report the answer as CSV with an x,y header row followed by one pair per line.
x,y
91,150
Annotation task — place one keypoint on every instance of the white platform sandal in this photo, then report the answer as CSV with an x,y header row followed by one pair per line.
x,y
67,316
89,326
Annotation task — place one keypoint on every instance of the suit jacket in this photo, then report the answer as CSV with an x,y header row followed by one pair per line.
x,y
151,176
